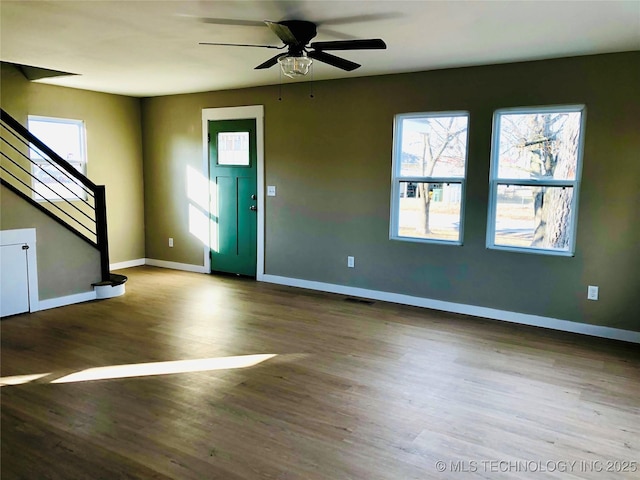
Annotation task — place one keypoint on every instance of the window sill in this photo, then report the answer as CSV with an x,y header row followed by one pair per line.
x,y
535,251
426,240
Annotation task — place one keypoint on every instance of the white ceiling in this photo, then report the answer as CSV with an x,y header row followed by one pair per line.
x,y
148,48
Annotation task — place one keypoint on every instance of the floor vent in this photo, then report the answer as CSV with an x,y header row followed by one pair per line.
x,y
359,300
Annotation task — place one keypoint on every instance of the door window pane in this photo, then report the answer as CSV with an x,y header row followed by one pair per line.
x,y
233,148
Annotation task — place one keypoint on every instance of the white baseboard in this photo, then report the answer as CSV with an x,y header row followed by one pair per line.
x,y
491,313
127,264
63,301
187,267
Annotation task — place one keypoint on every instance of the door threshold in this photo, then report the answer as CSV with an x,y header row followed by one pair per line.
x,y
233,275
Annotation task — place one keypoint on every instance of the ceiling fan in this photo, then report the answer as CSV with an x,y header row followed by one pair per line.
x,y
296,35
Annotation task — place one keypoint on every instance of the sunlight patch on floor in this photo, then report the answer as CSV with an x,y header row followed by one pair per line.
x,y
164,368
147,369
20,379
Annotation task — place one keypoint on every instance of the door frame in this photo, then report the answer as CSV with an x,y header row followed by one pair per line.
x,y
253,112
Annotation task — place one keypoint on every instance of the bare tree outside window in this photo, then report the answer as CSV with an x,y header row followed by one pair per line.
x,y
535,172
429,173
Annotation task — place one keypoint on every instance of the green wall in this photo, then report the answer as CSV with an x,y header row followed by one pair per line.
x,y
330,158
114,149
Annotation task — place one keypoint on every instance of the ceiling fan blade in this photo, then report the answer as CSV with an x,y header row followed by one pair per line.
x,y
225,21
369,44
232,21
239,45
269,63
369,17
283,32
329,32
333,60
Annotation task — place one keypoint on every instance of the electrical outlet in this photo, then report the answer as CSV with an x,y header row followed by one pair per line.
x,y
351,262
170,242
592,292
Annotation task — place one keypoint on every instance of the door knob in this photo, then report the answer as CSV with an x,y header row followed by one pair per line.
x,y
253,207
253,197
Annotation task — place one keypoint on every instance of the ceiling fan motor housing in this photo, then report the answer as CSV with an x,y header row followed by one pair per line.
x,y
302,30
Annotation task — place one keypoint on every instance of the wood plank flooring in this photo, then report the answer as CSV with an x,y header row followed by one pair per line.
x,y
354,391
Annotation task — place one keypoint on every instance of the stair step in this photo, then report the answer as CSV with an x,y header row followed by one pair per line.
x,y
114,287
115,279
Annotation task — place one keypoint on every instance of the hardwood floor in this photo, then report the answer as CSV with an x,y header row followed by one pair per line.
x,y
354,391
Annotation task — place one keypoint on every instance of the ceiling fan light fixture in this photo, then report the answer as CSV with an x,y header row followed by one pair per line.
x,y
295,66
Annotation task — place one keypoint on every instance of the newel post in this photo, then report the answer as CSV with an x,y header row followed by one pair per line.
x,y
101,231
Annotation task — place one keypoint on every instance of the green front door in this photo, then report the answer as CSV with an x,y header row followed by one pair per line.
x,y
232,167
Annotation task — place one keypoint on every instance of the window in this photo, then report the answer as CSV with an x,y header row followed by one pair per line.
x,y
534,181
233,148
66,138
428,175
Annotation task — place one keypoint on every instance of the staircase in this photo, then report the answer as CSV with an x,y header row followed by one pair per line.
x,y
57,189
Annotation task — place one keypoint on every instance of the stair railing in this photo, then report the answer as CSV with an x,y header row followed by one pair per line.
x,y
76,202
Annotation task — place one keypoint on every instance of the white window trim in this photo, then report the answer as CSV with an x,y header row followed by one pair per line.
x,y
494,181
396,179
83,162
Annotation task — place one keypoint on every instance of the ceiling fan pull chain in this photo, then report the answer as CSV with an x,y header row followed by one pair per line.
x,y
311,95
280,87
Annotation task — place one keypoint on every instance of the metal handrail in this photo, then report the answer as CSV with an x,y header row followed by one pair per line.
x,y
30,147
53,156
45,211
51,189
96,192
52,204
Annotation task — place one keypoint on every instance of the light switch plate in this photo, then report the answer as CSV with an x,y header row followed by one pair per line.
x,y
592,292
271,191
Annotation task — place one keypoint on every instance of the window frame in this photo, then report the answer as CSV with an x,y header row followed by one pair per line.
x,y
83,161
495,181
397,179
